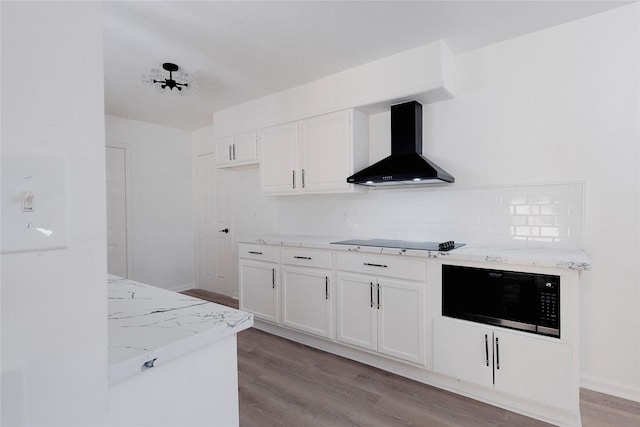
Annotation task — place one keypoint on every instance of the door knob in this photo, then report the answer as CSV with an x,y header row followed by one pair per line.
x,y
226,230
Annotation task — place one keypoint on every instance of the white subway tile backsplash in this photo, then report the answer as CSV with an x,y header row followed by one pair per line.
x,y
515,199
550,231
539,199
554,210
527,210
547,220
532,215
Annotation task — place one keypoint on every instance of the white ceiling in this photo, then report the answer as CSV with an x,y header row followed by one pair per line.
x,y
238,51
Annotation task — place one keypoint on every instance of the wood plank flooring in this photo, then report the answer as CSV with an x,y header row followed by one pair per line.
x,y
283,383
213,297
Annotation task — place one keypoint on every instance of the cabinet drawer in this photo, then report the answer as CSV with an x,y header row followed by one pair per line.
x,y
258,252
306,257
396,267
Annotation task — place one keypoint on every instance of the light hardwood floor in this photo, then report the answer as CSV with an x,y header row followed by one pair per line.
x,y
283,383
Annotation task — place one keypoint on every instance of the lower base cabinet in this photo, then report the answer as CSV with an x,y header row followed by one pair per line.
x,y
258,291
382,315
524,365
306,300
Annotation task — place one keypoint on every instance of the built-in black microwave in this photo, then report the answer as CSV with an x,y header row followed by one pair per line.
x,y
524,301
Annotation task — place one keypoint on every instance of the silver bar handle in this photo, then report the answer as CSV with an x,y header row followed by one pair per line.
x,y
255,253
273,278
371,293
302,178
378,291
234,151
230,158
497,354
293,173
302,257
326,287
375,265
486,348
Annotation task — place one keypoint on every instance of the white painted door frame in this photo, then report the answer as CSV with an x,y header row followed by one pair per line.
x,y
128,200
216,269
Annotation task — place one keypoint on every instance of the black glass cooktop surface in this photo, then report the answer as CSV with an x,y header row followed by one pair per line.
x,y
402,244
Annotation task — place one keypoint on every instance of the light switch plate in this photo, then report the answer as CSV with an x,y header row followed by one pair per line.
x,y
44,178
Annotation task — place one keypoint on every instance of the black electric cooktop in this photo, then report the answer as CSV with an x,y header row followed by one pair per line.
x,y
402,244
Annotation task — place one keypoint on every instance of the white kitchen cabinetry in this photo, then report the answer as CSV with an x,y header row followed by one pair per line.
x,y
314,155
517,363
258,281
279,159
237,150
307,291
383,314
384,309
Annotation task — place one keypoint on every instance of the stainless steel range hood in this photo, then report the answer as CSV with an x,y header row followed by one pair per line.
x,y
406,165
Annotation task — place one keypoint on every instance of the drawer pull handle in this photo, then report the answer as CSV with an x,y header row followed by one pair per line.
x,y
497,354
302,257
255,253
376,265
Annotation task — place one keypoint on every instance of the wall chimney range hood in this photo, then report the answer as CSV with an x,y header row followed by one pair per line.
x,y
406,165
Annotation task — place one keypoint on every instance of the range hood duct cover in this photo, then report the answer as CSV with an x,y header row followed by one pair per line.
x,y
406,165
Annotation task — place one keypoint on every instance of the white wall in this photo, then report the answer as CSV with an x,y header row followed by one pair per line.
x,y
161,211
54,303
558,106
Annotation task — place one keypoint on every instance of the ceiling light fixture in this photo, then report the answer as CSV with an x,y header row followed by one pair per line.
x,y
182,83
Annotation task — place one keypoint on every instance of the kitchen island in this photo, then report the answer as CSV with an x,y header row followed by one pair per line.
x,y
172,358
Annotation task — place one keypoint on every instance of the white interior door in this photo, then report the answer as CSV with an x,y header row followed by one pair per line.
x,y
214,249
116,211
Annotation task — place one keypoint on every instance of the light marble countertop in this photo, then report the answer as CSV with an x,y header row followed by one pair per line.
x,y
571,259
149,326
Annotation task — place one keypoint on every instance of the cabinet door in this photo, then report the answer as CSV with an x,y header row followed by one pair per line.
x,y
463,350
325,158
258,293
245,149
401,331
357,315
534,367
279,159
224,148
306,300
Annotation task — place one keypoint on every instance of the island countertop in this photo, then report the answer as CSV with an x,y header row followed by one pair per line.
x,y
149,326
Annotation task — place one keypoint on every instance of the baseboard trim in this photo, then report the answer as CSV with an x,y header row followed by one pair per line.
x,y
607,387
184,287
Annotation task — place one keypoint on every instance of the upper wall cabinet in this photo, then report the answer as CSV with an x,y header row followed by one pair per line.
x,y
279,159
314,155
237,150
